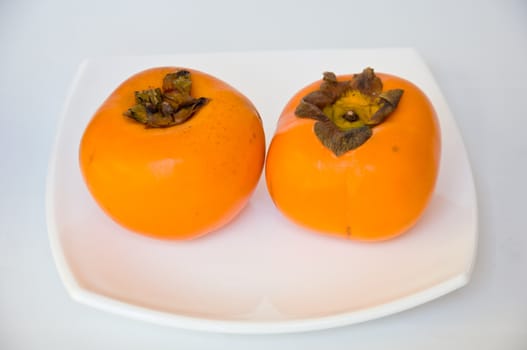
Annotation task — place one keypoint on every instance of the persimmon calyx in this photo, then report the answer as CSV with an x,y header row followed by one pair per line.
x,y
169,106
346,111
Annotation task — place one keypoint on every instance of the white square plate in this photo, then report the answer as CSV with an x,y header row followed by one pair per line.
x,y
261,273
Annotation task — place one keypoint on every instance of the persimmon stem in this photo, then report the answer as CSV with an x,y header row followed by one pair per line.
x,y
169,106
346,111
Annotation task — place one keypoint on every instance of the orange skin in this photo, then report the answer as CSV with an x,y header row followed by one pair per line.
x,y
374,192
179,182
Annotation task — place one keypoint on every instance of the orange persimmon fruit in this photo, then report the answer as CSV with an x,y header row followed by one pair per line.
x,y
355,156
164,163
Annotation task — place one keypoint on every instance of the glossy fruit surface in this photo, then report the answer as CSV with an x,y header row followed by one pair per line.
x,y
176,182
374,192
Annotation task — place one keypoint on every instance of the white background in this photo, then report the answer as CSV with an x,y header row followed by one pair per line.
x,y
476,50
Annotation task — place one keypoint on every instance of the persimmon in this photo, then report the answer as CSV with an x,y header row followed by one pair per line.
x,y
173,153
355,156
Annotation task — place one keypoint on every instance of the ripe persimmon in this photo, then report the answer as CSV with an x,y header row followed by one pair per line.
x,y
173,153
356,156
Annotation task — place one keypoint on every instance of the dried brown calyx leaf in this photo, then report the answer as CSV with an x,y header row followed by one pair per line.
x,y
169,106
340,141
346,111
